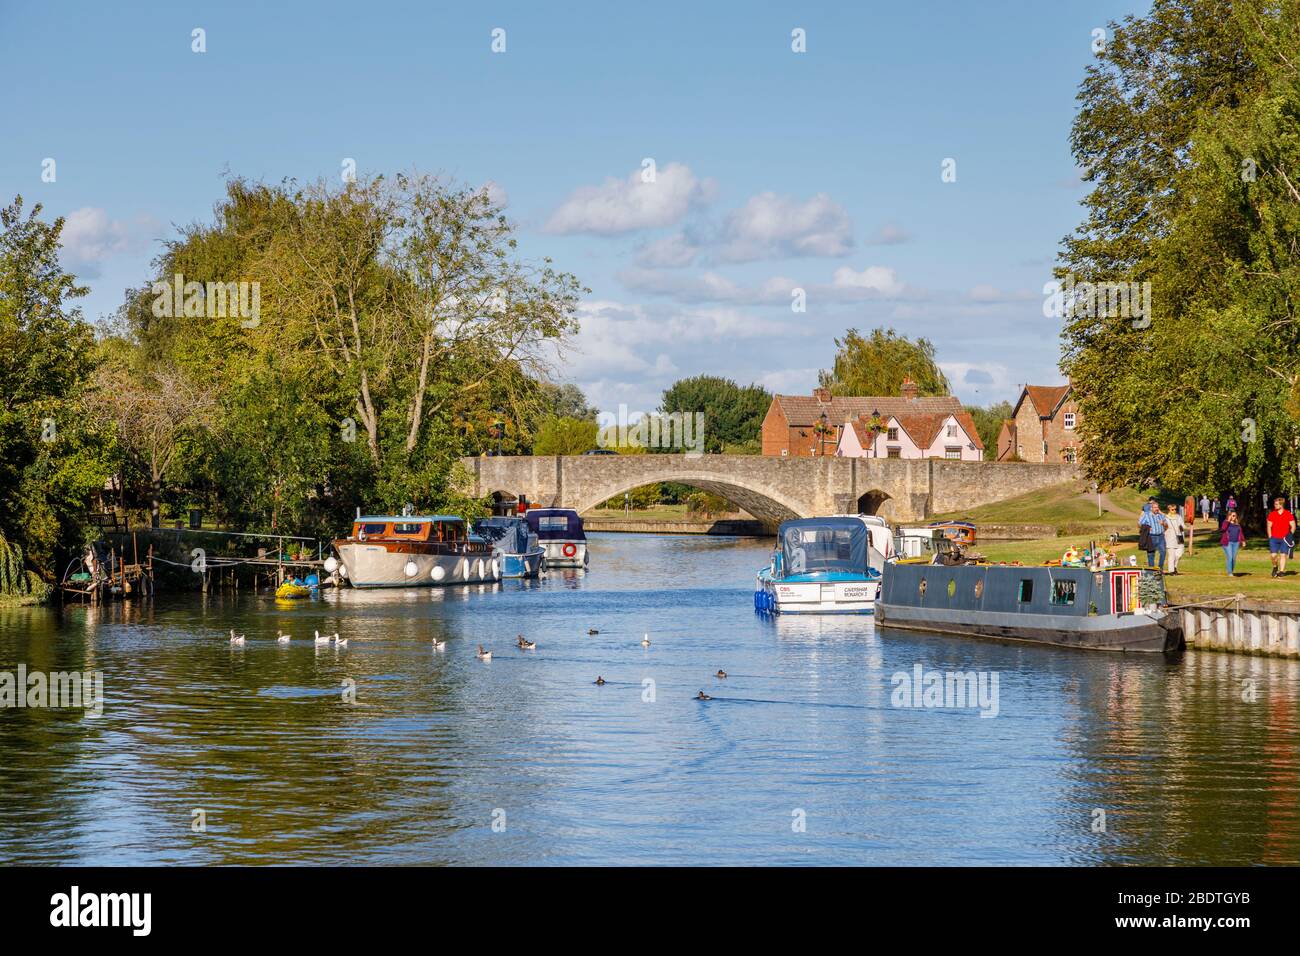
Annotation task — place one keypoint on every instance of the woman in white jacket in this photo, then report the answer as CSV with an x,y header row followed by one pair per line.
x,y
1174,530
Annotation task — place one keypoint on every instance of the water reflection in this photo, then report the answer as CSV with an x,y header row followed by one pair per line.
x,y
1194,762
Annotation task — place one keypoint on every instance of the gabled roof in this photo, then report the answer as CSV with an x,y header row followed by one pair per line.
x,y
802,411
1046,399
921,427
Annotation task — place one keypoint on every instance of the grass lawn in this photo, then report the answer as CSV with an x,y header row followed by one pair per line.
x,y
1201,574
1069,507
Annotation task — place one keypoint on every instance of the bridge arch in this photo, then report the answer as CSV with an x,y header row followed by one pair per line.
x,y
766,504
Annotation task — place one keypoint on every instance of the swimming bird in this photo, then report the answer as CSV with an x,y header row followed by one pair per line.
x,y
322,638
340,641
702,696
645,641
721,674
439,645
526,645
236,639
282,637
483,655
592,630
600,681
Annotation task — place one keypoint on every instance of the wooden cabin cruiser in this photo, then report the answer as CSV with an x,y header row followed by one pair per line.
x,y
521,554
825,566
959,532
1113,609
392,551
559,531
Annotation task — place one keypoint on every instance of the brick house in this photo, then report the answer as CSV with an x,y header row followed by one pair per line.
x,y
1043,427
917,427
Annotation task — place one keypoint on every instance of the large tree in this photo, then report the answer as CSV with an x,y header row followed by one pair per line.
x,y
877,363
733,414
1189,128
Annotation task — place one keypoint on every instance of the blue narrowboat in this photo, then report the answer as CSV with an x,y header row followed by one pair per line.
x,y
514,544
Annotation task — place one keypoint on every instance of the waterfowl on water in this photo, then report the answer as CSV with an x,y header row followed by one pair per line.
x,y
600,681
340,641
526,645
645,641
322,638
702,696
439,645
483,655
592,630
721,674
282,637
236,639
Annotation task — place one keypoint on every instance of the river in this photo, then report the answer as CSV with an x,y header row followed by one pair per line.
x,y
210,754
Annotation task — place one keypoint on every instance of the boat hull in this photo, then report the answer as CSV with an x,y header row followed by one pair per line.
x,y
857,596
375,566
565,554
1135,633
522,565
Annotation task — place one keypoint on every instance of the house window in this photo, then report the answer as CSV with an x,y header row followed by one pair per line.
x,y
1068,421
785,452
954,453
1044,451
1026,590
952,431
895,452
892,434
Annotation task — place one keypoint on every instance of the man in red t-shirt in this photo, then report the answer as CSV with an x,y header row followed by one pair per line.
x,y
1281,536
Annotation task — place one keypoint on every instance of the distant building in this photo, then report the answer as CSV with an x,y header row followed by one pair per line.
x,y
1043,427
934,426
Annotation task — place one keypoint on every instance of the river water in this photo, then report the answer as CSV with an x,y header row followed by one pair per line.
x,y
800,757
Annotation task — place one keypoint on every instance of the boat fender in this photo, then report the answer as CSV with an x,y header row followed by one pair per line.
x,y
437,573
410,569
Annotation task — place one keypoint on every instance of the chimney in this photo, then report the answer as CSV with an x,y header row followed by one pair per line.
x,y
909,389
823,395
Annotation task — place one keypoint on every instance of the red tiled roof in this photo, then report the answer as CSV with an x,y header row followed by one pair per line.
x,y
804,410
1046,398
921,427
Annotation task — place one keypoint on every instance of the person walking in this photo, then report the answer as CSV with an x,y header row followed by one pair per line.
x,y
1281,536
1175,530
1205,507
1232,502
1152,540
1231,537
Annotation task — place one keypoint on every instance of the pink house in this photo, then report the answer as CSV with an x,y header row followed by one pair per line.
x,y
950,435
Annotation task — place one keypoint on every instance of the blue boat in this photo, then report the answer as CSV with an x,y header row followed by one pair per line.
x,y
827,565
514,543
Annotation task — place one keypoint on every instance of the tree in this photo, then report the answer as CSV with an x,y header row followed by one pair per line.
x,y
50,461
564,436
988,423
733,414
876,364
1188,127
567,401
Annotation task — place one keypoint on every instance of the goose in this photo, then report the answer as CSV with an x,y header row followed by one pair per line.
x,y
645,641
600,681
702,696
483,655
592,630
526,645
439,645
721,674
340,641
236,639
322,638
282,637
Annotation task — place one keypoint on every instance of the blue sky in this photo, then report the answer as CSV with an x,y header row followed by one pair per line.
x,y
774,170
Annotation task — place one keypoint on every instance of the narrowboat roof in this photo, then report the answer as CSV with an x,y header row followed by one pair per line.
x,y
550,511
409,519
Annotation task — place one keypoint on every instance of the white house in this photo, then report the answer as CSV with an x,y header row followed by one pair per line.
x,y
952,436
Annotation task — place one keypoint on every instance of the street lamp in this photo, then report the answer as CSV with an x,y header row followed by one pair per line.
x,y
823,426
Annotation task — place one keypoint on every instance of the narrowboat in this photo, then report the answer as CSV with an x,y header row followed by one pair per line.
x,y
559,531
402,551
1114,609
518,548
825,566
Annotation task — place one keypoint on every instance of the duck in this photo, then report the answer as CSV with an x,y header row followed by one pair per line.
x,y
645,641
340,641
322,638
483,655
439,645
600,681
236,639
721,674
592,630
282,637
702,696
526,645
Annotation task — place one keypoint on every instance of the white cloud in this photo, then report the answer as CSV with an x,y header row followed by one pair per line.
x,y
617,207
91,237
496,194
881,279
671,252
769,226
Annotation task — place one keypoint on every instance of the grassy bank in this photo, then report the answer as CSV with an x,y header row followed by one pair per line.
x,y
1070,508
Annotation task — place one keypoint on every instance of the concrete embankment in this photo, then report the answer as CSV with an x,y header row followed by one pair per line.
x,y
741,527
1241,625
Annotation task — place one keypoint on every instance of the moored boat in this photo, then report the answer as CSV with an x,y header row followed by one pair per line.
x,y
559,531
959,532
393,551
826,565
1114,609
520,552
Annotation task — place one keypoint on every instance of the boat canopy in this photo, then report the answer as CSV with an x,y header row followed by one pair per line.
x,y
555,524
811,545
506,534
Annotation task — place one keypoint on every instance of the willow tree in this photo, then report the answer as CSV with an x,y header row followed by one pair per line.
x,y
877,363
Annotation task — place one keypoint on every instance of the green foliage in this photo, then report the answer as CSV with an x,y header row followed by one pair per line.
x,y
564,436
707,504
733,414
1190,127
988,422
876,364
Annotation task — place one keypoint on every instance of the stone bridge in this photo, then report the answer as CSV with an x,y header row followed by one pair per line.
x,y
769,488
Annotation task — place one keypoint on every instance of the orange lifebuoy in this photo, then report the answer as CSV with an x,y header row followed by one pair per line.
x,y
569,550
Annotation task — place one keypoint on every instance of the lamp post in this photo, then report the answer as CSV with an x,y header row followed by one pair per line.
x,y
498,430
821,428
